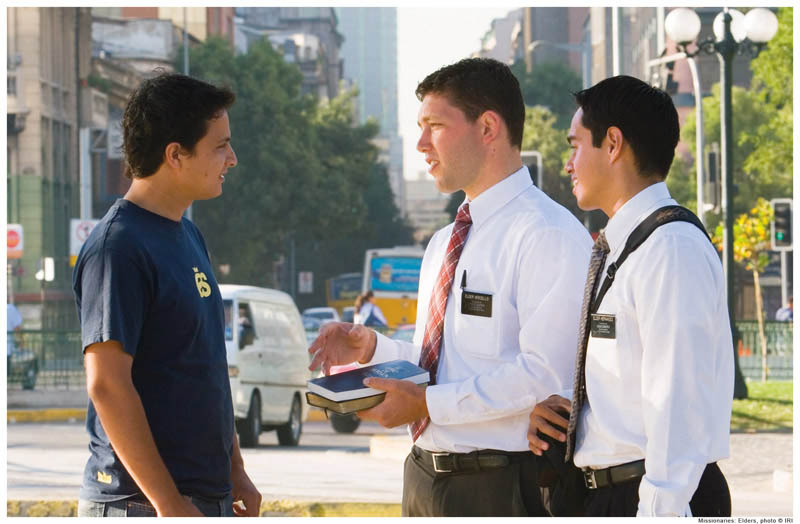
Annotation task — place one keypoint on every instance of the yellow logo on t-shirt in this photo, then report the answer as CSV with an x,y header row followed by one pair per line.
x,y
203,287
105,478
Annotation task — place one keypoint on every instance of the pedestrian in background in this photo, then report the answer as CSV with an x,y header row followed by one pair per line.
x,y
367,312
160,416
786,313
653,383
499,299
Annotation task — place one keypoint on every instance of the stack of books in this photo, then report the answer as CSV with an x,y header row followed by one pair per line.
x,y
346,393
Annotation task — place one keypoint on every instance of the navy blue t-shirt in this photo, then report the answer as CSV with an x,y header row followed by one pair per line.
x,y
147,282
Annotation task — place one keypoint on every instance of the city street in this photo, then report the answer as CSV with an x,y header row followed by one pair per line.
x,y
46,460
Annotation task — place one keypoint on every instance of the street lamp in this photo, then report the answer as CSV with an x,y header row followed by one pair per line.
x,y
583,48
735,34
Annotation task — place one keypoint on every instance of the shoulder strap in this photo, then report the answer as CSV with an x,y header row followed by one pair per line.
x,y
658,218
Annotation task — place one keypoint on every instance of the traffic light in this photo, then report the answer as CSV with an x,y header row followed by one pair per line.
x,y
782,224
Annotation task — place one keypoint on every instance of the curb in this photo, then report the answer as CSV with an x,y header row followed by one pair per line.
x,y
46,415
79,414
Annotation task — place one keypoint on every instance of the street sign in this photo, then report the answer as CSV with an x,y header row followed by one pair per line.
x,y
305,282
15,240
79,232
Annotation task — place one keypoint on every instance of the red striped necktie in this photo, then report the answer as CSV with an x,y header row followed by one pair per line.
x,y
434,327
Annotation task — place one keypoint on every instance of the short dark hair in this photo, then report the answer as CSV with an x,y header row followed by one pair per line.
x,y
168,108
476,85
645,115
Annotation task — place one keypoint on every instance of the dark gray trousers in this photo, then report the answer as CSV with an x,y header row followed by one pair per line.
x,y
511,491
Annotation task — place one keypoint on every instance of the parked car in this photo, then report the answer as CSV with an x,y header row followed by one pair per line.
x,y
324,314
24,368
348,313
267,363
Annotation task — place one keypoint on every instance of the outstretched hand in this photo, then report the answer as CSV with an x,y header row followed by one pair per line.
x,y
340,343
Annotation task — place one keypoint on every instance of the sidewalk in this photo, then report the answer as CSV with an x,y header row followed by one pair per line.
x,y
759,471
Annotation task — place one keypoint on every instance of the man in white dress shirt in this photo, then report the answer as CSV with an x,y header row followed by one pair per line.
x,y
659,361
524,260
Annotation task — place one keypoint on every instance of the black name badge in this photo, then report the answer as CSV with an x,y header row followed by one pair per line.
x,y
604,326
478,304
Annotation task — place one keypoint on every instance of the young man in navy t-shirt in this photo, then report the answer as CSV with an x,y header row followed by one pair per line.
x,y
160,417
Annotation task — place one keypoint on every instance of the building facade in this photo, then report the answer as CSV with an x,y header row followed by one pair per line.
x,y
369,63
307,36
49,59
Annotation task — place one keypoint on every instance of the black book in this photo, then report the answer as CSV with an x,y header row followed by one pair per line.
x,y
346,392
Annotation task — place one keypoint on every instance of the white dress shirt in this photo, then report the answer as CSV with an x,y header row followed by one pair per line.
x,y
662,389
531,255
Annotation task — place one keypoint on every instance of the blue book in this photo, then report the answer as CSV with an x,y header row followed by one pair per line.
x,y
346,392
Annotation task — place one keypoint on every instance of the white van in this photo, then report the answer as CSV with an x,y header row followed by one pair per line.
x,y
267,363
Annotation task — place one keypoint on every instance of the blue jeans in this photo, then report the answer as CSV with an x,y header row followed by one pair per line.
x,y
142,508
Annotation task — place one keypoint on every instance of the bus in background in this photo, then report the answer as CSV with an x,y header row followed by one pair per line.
x,y
341,292
393,276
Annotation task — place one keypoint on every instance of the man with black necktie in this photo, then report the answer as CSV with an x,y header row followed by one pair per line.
x,y
653,383
499,297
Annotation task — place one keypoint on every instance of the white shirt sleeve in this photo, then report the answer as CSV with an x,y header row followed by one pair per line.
x,y
677,312
387,349
547,293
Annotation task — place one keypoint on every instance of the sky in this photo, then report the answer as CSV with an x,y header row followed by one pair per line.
x,y
427,39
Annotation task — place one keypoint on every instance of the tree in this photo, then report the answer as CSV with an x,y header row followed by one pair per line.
x,y
549,85
751,242
771,141
343,252
302,170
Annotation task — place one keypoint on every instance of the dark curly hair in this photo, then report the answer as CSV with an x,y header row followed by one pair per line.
x,y
645,115
168,108
477,85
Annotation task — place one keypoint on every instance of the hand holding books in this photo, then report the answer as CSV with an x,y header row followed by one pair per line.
x,y
395,382
404,403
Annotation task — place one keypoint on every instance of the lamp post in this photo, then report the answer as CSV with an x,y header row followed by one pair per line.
x,y
734,34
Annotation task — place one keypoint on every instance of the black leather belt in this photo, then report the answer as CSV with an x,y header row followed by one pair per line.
x,y
600,478
443,462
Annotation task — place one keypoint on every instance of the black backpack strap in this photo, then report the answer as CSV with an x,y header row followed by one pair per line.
x,y
658,218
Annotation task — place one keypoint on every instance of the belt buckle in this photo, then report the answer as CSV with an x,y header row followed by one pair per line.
x,y
589,479
436,467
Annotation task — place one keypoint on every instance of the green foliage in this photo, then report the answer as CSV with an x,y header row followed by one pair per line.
x,y
550,85
771,159
751,240
306,173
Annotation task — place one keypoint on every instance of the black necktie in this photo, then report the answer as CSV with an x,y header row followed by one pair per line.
x,y
596,264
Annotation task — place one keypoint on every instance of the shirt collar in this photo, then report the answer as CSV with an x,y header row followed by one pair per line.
x,y
633,211
497,196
